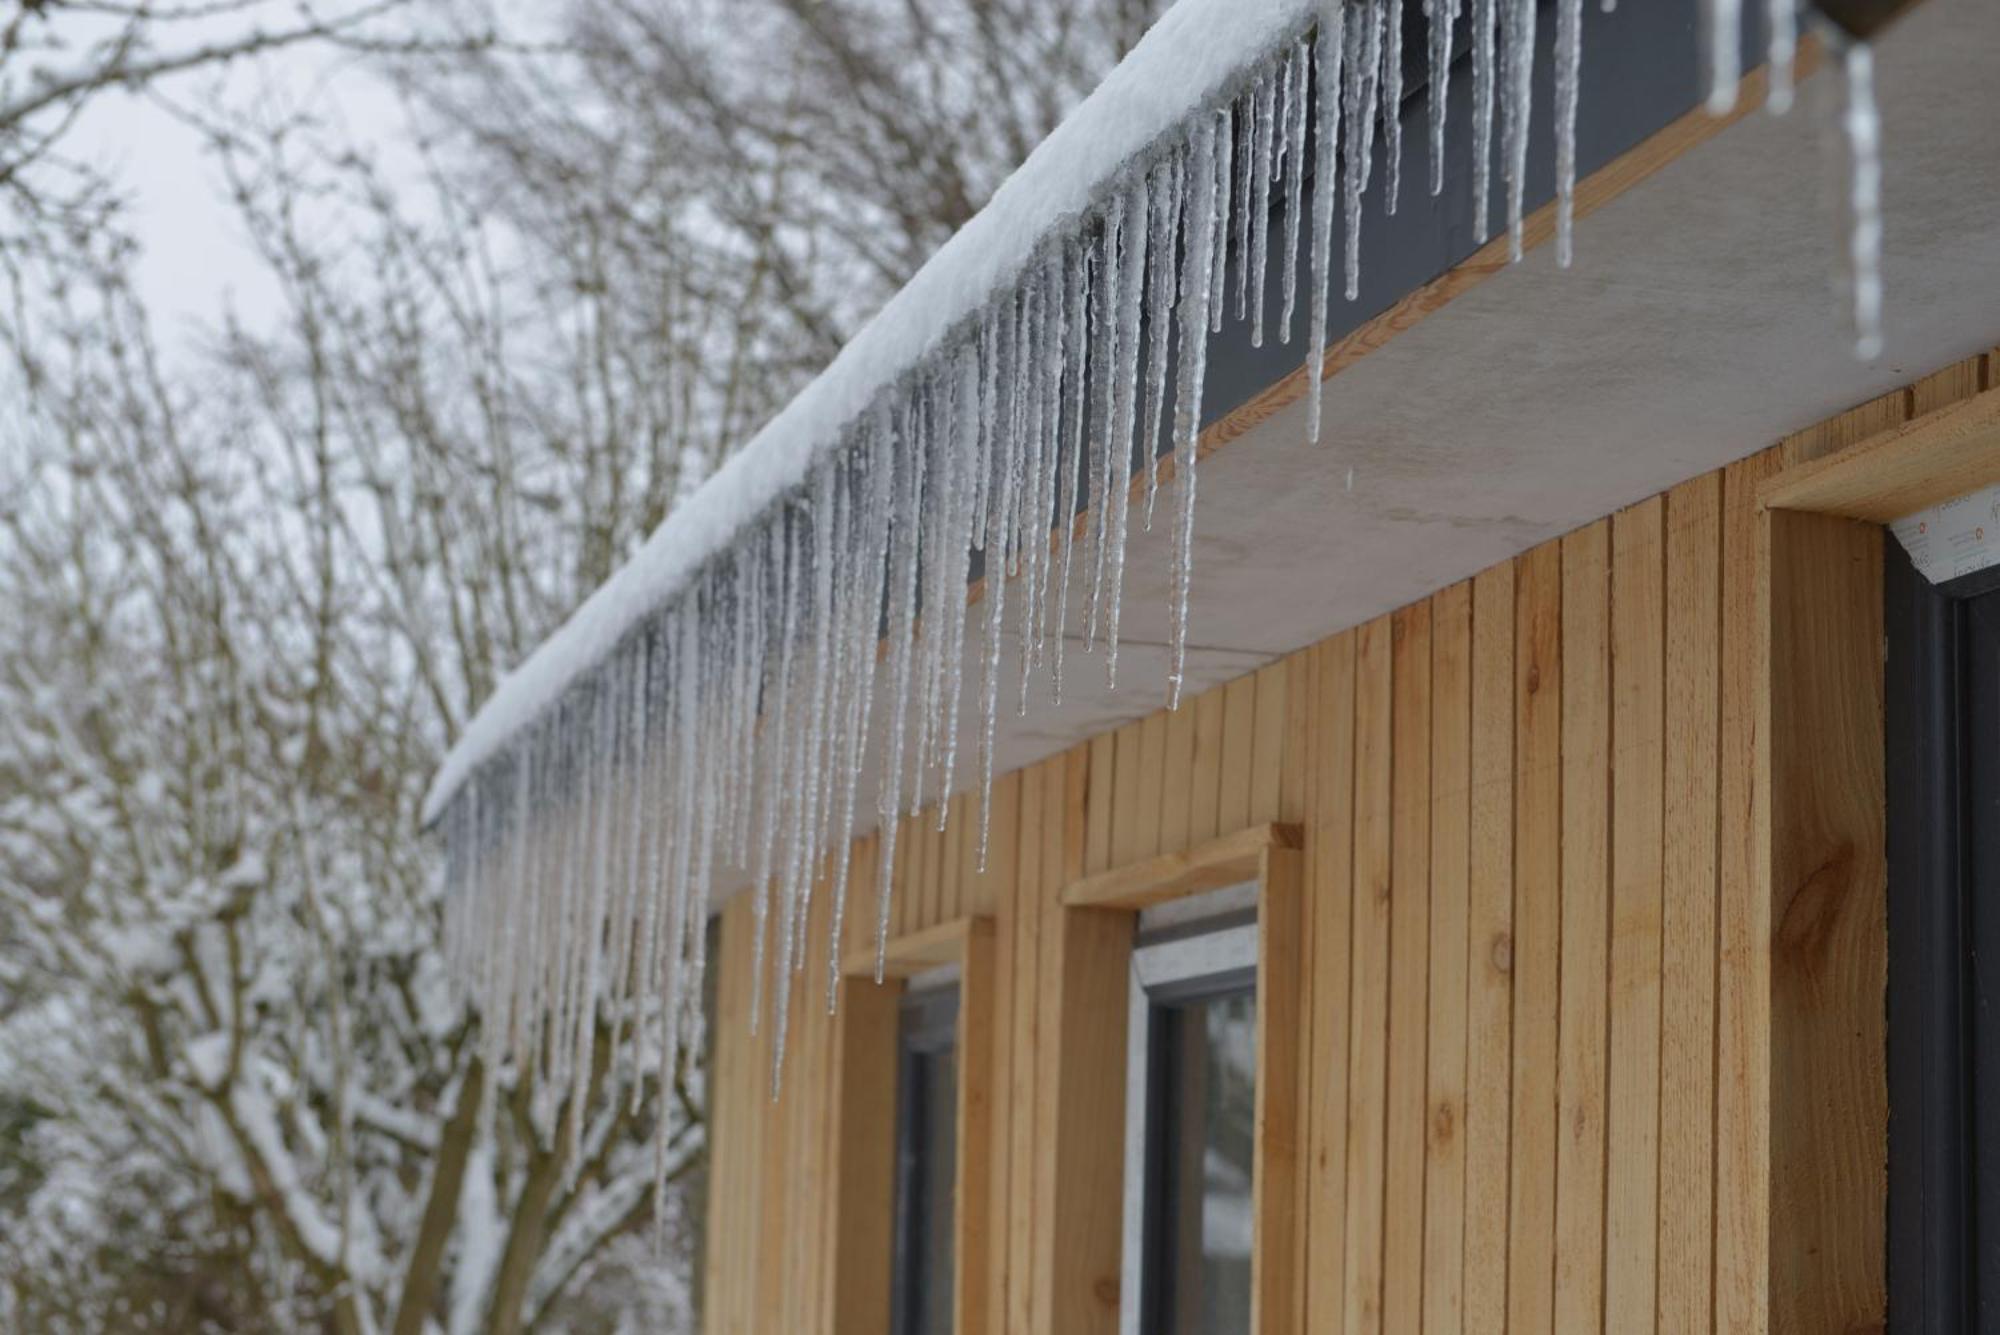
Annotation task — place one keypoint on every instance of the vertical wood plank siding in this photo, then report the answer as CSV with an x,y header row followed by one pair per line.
x,y
1543,1082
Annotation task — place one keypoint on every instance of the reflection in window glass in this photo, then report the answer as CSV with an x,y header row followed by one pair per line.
x,y
1206,1108
926,1167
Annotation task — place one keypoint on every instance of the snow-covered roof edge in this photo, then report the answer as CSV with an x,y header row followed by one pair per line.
x,y
1190,58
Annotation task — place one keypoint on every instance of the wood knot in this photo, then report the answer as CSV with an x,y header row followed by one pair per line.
x,y
1444,1121
1501,952
1534,678
1105,1290
1814,907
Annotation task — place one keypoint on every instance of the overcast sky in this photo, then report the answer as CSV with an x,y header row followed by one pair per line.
x,y
196,259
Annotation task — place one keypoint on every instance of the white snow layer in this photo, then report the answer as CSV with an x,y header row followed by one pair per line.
x,y
1187,60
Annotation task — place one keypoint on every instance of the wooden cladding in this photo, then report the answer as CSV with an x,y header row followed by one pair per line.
x,y
1587,943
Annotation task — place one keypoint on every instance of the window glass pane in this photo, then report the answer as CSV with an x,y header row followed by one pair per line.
x,y
940,1177
926,1169
1208,1134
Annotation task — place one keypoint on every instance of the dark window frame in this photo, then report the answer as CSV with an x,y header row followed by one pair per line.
x,y
1944,953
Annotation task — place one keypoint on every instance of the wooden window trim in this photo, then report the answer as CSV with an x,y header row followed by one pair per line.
x,y
864,1134
1821,849
1924,462
1081,1233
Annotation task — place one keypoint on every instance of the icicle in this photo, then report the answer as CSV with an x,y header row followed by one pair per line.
x,y
1077,301
1201,221
1484,95
903,562
873,548
940,508
1032,514
1329,63
972,418
1296,96
1520,62
1125,387
783,537
1724,21
1245,214
1392,98
1104,356
1225,172
1782,20
1163,222
1443,14
1048,489
991,360
830,522
625,910
1863,124
707,816
1358,90
1264,124
1569,70
996,604
610,696
1019,371
686,704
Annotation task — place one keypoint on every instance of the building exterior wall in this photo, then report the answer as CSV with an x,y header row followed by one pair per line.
x,y
1549,1076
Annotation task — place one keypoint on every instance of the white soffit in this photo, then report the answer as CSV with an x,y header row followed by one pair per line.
x,y
1700,324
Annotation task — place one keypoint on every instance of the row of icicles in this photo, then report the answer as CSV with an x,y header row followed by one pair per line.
x,y
728,733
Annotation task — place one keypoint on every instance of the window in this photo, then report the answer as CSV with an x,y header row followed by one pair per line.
x,y
1943,773
1191,1096
926,1159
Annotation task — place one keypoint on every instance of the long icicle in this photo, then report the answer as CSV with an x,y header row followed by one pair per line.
x,y
1443,14
1104,389
1863,124
1200,223
1520,34
904,561
1166,192
1006,476
1392,98
1225,177
1265,118
1484,95
1327,93
1360,81
1076,280
1125,386
1569,73
1297,68
873,546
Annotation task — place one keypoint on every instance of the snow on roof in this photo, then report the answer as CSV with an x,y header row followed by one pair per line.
x,y
1189,58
